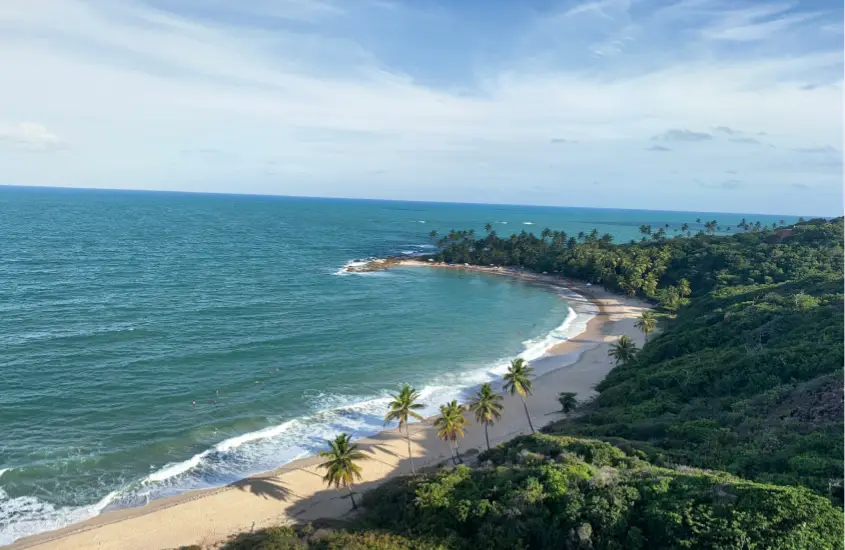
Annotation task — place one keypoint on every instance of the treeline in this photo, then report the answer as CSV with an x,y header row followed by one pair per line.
x,y
549,492
746,375
662,269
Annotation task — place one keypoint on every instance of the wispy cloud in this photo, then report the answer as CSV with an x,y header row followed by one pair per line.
x,y
746,140
683,135
328,90
30,136
727,185
826,149
726,130
659,148
758,22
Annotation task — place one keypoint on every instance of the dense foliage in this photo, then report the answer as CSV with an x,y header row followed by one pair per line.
x,y
746,377
664,269
565,493
560,492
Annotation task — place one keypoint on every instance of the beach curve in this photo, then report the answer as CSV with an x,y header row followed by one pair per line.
x,y
295,491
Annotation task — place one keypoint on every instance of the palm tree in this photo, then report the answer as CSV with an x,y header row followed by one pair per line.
x,y
684,227
432,235
568,402
645,229
623,350
517,380
488,227
487,408
684,288
341,467
402,409
646,323
450,426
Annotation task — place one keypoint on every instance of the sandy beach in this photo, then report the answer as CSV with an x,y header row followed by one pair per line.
x,y
296,492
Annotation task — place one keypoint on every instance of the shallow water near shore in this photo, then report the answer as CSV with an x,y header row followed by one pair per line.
x,y
153,343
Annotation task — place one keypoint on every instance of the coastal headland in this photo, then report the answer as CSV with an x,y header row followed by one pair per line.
x,y
296,492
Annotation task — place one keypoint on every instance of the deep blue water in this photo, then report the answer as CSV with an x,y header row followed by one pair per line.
x,y
119,310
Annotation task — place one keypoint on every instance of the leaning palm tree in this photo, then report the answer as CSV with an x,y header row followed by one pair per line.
x,y
518,380
623,350
487,408
341,468
450,426
402,409
646,323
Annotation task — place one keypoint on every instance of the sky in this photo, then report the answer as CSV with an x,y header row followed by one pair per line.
x,y
704,105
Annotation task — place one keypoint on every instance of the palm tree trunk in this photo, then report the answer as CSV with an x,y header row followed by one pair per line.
x,y
530,425
487,436
410,456
352,496
458,453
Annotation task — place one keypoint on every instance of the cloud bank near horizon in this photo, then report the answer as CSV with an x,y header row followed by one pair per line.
x,y
389,99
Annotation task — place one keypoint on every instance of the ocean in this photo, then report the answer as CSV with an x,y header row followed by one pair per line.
x,y
154,343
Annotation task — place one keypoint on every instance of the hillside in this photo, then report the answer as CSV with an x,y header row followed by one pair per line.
x,y
565,493
746,375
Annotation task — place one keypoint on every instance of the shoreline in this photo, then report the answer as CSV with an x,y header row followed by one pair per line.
x,y
295,492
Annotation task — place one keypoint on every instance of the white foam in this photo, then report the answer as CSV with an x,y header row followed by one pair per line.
x,y
527,223
246,454
27,515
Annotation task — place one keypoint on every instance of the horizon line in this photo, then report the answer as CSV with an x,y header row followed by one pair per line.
x,y
417,201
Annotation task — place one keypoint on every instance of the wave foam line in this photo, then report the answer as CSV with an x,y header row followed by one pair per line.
x,y
266,449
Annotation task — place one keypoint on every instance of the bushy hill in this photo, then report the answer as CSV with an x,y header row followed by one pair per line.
x,y
746,375
549,492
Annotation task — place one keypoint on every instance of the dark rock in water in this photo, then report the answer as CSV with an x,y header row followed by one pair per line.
x,y
375,264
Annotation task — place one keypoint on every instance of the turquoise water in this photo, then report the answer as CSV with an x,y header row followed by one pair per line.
x,y
153,343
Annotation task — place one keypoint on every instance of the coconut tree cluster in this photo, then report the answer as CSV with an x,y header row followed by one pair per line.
x,y
485,407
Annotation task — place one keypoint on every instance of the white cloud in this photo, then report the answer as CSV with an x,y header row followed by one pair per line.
x,y
29,136
134,87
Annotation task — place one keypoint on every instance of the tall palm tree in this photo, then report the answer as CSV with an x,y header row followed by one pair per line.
x,y
432,235
450,426
487,408
488,227
646,323
623,350
402,409
518,380
341,468
684,288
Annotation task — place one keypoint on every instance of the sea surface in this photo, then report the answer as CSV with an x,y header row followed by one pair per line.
x,y
154,343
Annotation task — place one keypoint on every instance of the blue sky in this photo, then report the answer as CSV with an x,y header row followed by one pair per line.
x,y
707,105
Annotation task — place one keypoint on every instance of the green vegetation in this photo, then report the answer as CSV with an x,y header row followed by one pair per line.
x,y
450,426
487,408
565,493
402,409
624,350
518,380
747,375
646,323
568,402
341,467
